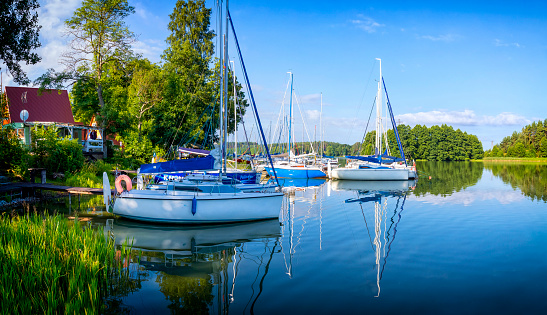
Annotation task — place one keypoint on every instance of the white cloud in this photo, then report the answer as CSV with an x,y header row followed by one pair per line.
x,y
440,38
467,198
462,118
313,115
309,99
500,43
366,23
151,49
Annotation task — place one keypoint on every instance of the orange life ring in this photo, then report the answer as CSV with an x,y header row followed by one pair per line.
x,y
127,181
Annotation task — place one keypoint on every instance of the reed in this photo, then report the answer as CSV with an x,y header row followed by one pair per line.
x,y
51,265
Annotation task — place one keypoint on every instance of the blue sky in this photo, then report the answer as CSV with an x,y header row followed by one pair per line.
x,y
477,66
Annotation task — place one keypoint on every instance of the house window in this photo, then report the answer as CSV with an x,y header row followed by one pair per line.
x,y
21,133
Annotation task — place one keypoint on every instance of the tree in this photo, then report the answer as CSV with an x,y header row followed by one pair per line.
x,y
99,37
189,111
19,36
145,91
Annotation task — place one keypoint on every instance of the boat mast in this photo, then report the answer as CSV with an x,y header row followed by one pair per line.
x,y
221,85
290,118
225,66
235,114
378,142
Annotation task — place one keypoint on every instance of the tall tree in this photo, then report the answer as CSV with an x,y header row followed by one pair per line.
x,y
188,113
19,36
99,37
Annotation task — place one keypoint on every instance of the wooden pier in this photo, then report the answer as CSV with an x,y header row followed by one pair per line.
x,y
6,188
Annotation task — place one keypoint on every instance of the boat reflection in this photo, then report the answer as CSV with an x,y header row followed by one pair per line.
x,y
301,182
195,266
389,199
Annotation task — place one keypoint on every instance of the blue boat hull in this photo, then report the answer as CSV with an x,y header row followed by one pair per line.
x,y
296,172
243,177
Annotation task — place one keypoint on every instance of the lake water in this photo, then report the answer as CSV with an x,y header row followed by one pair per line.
x,y
466,238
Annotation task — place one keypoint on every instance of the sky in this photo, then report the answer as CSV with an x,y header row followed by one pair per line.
x,y
478,66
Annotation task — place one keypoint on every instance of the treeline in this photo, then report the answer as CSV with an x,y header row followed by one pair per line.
x,y
438,143
530,142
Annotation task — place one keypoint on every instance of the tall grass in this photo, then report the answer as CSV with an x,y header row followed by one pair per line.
x,y
51,265
90,175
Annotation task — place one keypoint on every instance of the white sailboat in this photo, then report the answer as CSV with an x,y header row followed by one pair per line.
x,y
379,166
295,166
204,201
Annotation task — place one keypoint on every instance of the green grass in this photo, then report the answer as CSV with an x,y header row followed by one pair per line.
x,y
514,160
51,265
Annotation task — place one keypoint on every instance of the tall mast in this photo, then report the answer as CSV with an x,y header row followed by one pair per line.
x,y
378,143
225,64
221,85
290,119
235,111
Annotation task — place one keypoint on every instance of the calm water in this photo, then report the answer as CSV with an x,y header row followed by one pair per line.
x,y
470,240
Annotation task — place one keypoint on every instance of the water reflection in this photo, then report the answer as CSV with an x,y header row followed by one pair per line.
x,y
531,179
445,178
388,198
191,264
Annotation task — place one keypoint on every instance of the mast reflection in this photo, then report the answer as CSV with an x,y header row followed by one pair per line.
x,y
381,194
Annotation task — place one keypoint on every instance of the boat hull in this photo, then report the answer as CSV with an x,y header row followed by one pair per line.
x,y
245,177
296,172
369,174
181,208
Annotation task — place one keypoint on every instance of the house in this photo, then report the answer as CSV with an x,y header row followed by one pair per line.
x,y
28,108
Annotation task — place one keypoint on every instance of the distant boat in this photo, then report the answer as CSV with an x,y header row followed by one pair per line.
x,y
291,168
380,166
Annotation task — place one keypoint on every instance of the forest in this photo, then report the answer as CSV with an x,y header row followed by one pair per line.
x,y
530,142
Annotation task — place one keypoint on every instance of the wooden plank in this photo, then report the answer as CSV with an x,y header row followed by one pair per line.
x,y
69,189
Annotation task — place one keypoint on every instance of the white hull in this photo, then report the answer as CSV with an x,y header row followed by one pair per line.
x,y
145,236
370,174
177,207
393,185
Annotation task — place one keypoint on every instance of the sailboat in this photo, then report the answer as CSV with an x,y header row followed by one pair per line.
x,y
202,201
291,168
380,166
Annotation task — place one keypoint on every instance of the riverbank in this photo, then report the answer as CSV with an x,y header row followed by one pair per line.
x,y
514,160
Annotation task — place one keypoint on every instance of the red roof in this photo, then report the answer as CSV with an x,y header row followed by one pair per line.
x,y
50,106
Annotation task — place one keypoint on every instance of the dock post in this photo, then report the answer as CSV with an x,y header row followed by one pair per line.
x,y
43,173
69,203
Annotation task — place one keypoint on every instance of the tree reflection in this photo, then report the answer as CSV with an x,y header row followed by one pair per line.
x,y
445,178
531,179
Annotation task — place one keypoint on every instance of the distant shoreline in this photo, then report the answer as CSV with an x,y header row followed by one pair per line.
x,y
514,160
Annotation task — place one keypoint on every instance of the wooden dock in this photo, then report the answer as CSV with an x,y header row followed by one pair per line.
x,y
33,186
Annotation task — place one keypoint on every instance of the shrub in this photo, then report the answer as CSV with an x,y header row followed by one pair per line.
x,y
13,155
54,154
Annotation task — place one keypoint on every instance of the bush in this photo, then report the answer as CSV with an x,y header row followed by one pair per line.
x,y
54,154
137,150
13,155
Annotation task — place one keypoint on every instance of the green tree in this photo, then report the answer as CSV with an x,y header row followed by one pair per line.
x,y
99,37
189,110
19,36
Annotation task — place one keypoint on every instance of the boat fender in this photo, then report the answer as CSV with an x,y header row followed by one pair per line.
x,y
194,205
127,181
